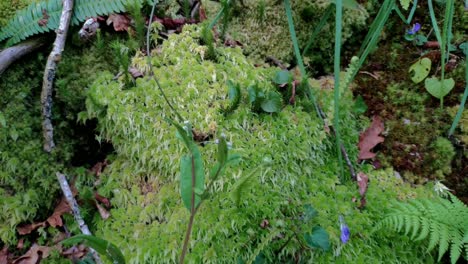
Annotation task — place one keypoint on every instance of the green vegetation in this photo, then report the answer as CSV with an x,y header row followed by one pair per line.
x,y
212,139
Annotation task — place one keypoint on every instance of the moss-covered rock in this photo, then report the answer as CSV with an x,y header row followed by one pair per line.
x,y
263,28
149,220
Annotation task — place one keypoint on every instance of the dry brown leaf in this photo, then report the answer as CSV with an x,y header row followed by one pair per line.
x,y
26,229
56,218
34,255
362,181
4,255
105,201
75,252
370,138
20,244
120,22
102,211
135,72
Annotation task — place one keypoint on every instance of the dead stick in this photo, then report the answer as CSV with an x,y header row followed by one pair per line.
x,y
12,54
76,211
49,74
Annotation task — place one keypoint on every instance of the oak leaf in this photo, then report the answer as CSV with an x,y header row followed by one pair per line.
x,y
34,255
370,138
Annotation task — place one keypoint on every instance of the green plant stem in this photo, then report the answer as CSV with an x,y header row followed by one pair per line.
x,y
297,52
218,16
462,103
319,27
338,21
410,15
148,59
193,211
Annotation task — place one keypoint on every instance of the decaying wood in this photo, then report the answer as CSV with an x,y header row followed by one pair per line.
x,y
49,74
76,211
12,54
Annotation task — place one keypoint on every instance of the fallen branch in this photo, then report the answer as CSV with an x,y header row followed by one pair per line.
x,y
12,54
76,211
49,74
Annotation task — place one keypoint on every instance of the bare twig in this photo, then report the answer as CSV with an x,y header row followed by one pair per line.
x,y
11,54
49,74
276,62
76,211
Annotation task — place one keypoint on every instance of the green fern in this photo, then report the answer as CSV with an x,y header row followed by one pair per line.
x,y
441,221
27,21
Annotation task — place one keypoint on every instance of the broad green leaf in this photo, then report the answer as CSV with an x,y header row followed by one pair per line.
x,y
103,247
318,238
282,77
420,70
464,47
2,120
438,88
309,212
191,164
405,4
272,104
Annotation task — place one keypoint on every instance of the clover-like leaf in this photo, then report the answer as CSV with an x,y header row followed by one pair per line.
x,y
420,70
438,88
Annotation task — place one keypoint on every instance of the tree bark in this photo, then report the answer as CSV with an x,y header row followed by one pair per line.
x,y
12,54
49,74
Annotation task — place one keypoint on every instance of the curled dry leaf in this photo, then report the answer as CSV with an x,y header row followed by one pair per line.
x,y
102,211
4,255
34,255
120,22
370,138
75,252
54,220
102,199
362,181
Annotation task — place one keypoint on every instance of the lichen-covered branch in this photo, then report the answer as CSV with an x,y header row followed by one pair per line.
x,y
12,54
49,74
76,211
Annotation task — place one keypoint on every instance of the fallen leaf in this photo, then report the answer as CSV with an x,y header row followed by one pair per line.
x,y
34,255
4,255
102,199
120,22
102,211
135,73
45,19
56,218
362,181
100,166
370,138
75,252
202,14
20,245
26,229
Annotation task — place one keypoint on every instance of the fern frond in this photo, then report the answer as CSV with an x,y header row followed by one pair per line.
x,y
442,222
44,16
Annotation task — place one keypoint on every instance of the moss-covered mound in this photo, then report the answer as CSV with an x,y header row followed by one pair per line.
x,y
262,26
149,220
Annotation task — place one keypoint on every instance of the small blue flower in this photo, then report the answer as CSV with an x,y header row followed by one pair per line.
x,y
345,234
416,27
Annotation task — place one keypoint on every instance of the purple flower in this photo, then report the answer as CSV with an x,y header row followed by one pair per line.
x,y
345,234
416,27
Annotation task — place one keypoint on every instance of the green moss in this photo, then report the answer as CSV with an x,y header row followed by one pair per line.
x,y
9,7
441,158
148,220
268,34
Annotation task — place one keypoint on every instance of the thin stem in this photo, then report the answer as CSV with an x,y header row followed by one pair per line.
x,y
319,27
148,59
463,101
338,18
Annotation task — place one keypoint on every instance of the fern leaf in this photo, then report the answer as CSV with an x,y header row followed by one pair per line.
x,y
433,236
425,228
456,247
25,22
443,241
